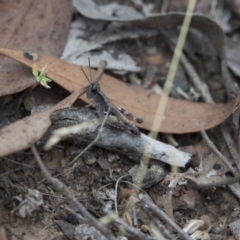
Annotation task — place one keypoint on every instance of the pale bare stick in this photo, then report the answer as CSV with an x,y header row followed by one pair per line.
x,y
62,189
162,105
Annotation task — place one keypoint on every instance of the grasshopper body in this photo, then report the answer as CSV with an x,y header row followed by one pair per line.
x,y
117,116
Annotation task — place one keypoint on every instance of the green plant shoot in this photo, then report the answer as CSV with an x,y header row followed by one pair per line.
x,y
41,77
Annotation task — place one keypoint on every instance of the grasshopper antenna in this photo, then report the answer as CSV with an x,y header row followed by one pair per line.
x,y
100,71
86,75
89,67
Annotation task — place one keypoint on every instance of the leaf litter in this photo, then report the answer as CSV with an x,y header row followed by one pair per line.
x,y
182,117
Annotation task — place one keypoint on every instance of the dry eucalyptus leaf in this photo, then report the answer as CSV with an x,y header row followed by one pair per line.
x,y
86,35
33,26
117,61
21,134
180,116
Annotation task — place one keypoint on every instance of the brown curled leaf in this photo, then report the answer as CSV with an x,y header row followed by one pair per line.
x,y
21,134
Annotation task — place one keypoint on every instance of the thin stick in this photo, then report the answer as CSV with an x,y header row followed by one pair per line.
x,y
133,231
116,190
118,222
200,85
62,189
77,215
229,140
157,211
13,170
211,145
159,225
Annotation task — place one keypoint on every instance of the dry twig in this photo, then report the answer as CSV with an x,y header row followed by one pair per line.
x,y
234,151
159,225
115,139
155,209
217,152
61,188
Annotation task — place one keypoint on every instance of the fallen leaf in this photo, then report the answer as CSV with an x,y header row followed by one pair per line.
x,y
201,23
21,134
87,36
123,63
37,26
180,116
112,10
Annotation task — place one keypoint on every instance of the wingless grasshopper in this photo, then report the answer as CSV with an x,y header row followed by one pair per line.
x,y
117,117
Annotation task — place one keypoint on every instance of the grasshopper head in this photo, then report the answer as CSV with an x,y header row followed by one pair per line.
x,y
92,90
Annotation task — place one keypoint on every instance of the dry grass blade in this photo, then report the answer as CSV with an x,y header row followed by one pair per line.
x,y
162,104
